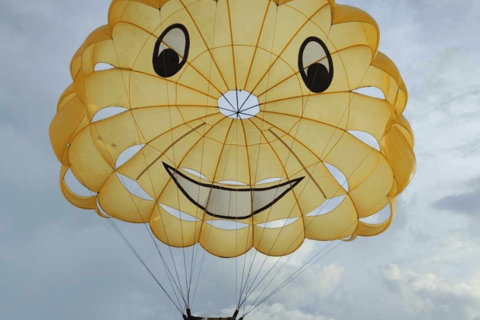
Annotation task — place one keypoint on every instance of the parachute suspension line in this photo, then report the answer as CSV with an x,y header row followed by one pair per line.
x,y
252,287
124,238
176,165
299,270
136,207
163,224
169,273
240,109
195,254
244,286
292,277
141,260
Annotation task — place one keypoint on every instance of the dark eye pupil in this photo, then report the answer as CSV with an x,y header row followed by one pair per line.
x,y
317,79
167,64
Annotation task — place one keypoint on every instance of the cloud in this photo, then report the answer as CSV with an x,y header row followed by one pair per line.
x,y
467,203
278,311
430,296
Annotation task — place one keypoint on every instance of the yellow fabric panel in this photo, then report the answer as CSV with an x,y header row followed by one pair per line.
x,y
356,61
148,155
406,129
154,122
114,135
104,52
100,34
134,9
401,157
310,9
174,116
78,201
226,243
326,136
65,97
369,115
337,224
261,170
368,230
360,162
279,241
173,231
287,207
373,189
106,89
384,63
128,41
309,196
91,169
345,14
121,204
65,123
204,158
251,13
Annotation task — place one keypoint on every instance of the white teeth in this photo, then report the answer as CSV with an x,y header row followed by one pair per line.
x,y
128,154
379,217
108,112
269,180
232,183
328,206
338,175
366,138
277,223
179,214
195,173
133,187
227,224
230,202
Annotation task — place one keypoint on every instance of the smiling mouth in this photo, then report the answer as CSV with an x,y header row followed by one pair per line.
x,y
226,202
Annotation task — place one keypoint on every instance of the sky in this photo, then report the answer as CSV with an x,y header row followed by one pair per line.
x,y
60,262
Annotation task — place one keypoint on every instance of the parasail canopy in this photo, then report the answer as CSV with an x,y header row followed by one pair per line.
x,y
236,124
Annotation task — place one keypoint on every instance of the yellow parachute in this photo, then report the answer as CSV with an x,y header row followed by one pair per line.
x,y
244,111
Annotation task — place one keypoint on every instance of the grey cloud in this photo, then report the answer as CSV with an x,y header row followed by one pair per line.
x,y
468,203
474,182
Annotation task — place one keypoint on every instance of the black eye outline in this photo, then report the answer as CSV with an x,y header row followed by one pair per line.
x,y
166,63
319,78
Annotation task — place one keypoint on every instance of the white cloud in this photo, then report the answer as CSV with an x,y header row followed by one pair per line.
x,y
431,296
278,312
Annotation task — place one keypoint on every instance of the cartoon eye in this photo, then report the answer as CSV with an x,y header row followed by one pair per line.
x,y
171,51
315,65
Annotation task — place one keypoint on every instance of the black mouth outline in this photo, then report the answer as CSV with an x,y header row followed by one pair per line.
x,y
172,171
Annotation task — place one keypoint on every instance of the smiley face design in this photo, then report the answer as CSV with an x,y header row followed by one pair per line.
x,y
237,124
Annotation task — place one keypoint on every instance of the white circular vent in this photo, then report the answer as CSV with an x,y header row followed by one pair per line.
x,y
239,104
